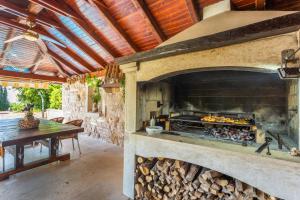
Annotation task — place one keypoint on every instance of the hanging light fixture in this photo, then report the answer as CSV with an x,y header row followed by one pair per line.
x,y
31,36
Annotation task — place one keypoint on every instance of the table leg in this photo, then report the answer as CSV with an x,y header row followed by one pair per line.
x,y
19,158
53,147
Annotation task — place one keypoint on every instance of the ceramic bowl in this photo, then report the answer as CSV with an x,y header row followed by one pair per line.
x,y
152,130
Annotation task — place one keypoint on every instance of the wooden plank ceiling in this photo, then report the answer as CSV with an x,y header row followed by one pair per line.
x,y
92,33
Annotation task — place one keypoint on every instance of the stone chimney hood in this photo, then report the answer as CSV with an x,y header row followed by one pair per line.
x,y
219,17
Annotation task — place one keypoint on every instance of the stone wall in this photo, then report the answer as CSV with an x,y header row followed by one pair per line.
x,y
108,124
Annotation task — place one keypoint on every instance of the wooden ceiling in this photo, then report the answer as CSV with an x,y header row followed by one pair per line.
x,y
96,32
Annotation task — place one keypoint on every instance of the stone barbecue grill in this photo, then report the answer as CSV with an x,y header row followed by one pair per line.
x,y
229,80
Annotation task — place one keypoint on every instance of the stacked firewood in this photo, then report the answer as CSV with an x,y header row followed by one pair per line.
x,y
167,179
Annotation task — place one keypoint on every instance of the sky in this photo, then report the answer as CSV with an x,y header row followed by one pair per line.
x,y
12,95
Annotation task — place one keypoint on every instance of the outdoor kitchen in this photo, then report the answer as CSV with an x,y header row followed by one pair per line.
x,y
150,99
227,111
236,108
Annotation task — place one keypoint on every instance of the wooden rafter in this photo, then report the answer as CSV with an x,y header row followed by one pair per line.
x,y
64,10
103,12
20,12
58,8
54,7
14,24
7,46
89,30
44,53
65,62
36,9
271,27
260,4
30,76
191,5
34,68
77,58
83,46
37,59
142,7
60,68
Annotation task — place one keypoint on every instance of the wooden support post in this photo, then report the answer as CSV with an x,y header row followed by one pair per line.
x,y
54,143
19,157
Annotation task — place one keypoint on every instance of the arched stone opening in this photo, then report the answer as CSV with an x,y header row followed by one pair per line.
x,y
258,92
212,69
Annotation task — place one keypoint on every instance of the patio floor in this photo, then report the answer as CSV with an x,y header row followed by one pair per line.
x,y
95,175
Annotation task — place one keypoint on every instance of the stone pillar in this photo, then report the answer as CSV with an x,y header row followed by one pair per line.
x,y
130,127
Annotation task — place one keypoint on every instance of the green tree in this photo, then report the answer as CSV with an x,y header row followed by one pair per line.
x,y
4,104
52,97
31,95
55,96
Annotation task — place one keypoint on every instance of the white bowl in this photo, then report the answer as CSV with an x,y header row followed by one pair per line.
x,y
152,130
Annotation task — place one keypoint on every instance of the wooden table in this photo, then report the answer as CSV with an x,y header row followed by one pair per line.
x,y
11,135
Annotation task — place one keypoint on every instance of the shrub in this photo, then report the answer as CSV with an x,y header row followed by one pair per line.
x,y
17,107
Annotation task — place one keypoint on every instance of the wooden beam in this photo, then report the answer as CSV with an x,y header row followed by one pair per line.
x,y
30,76
57,7
35,8
65,62
22,27
191,6
63,9
103,12
7,46
37,60
13,24
83,25
271,27
260,4
34,68
83,46
95,35
20,12
60,67
77,58
142,7
54,62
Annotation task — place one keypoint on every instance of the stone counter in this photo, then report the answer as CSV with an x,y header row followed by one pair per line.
x,y
278,175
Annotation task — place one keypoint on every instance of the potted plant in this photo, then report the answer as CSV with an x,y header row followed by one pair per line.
x,y
29,121
94,83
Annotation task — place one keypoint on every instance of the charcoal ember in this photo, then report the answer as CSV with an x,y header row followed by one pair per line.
x,y
229,133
